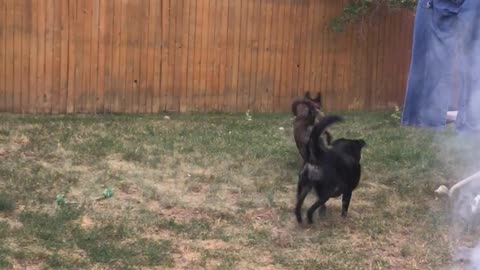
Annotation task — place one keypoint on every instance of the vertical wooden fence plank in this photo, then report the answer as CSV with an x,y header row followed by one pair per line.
x,y
104,46
72,47
166,51
197,53
244,57
157,97
300,46
257,25
26,39
223,49
78,36
237,22
282,22
204,56
188,103
3,55
64,57
180,56
266,82
94,57
17,56
57,57
150,56
212,75
122,104
114,87
41,57
170,74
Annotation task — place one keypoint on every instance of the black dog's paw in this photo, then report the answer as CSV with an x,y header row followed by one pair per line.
x,y
344,215
310,220
299,220
298,216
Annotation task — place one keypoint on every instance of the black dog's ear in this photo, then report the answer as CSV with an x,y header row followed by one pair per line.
x,y
362,143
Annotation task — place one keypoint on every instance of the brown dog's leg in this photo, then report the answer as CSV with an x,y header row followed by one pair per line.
x,y
304,187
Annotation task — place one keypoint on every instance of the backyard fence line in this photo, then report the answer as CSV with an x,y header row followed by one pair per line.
x,y
148,56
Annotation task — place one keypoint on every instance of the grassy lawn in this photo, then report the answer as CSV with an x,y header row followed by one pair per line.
x,y
216,191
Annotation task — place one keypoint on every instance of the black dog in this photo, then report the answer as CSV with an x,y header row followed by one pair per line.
x,y
307,112
330,171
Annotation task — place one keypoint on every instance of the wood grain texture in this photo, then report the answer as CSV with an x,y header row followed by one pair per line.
x,y
148,56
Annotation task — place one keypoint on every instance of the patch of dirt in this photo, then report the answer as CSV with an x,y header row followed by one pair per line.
x,y
262,215
87,223
13,223
214,244
259,260
20,140
183,215
133,196
158,234
186,257
13,145
27,266
269,267
120,165
282,238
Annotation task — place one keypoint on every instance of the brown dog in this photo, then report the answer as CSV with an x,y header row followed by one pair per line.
x,y
307,112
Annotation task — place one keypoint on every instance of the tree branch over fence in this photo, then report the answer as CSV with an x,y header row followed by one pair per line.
x,y
358,10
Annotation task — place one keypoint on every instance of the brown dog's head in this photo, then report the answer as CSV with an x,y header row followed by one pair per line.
x,y
317,102
308,107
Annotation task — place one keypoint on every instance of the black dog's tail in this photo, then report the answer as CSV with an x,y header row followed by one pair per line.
x,y
317,144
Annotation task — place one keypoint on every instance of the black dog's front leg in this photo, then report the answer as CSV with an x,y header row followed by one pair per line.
x,y
347,196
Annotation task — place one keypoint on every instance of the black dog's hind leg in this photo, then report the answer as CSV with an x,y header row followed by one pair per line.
x,y
304,187
320,202
347,196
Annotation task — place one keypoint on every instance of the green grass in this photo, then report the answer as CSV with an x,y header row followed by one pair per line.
x,y
216,191
7,204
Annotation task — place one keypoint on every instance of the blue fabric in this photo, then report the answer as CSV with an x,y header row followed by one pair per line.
x,y
445,55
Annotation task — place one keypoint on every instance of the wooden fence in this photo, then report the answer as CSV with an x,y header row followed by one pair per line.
x,y
136,56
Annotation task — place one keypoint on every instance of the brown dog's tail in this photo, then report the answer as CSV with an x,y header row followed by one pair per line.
x,y
318,147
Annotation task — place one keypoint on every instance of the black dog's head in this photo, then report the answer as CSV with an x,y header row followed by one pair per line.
x,y
350,147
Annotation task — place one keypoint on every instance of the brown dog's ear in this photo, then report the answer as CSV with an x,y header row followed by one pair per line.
x,y
307,95
318,99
